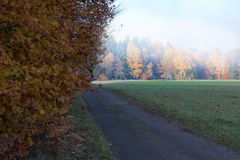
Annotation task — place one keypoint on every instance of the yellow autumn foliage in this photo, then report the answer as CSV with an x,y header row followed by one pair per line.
x,y
134,60
47,51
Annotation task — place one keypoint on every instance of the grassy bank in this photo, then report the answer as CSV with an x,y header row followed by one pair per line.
x,y
82,124
208,108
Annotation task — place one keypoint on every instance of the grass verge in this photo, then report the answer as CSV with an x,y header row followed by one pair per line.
x,y
94,147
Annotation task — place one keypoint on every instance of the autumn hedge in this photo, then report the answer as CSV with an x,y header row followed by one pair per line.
x,y
47,51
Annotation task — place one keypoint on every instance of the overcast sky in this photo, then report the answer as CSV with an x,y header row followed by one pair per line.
x,y
202,24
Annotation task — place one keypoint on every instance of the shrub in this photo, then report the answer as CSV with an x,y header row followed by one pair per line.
x,y
47,51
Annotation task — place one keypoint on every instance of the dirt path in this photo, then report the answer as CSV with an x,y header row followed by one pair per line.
x,y
136,135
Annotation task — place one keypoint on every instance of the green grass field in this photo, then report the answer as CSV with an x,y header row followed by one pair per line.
x,y
208,108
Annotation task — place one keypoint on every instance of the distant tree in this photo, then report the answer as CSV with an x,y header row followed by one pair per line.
x,y
233,60
98,70
107,65
118,69
148,73
122,47
112,45
167,66
225,67
156,59
102,77
183,64
104,69
200,69
126,68
217,67
134,60
167,62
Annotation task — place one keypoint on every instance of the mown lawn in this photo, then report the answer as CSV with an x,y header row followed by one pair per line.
x,y
208,108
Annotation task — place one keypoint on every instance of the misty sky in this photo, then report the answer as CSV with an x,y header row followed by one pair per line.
x,y
202,24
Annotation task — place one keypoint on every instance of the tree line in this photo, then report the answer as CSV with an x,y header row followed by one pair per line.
x,y
142,59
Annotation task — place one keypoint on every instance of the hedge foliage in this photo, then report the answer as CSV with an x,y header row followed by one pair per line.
x,y
47,51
